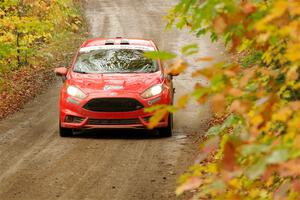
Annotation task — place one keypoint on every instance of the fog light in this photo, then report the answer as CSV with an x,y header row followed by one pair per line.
x,y
69,119
70,100
73,119
153,101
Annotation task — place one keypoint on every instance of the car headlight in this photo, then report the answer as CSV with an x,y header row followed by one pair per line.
x,y
75,92
152,91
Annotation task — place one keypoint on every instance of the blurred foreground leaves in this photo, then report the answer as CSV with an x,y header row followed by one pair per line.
x,y
254,153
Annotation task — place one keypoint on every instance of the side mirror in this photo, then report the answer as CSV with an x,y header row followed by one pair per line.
x,y
172,70
61,71
172,73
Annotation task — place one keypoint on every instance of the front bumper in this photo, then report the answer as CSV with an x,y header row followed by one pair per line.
x,y
86,119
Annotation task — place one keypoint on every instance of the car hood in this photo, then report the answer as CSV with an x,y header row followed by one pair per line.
x,y
135,82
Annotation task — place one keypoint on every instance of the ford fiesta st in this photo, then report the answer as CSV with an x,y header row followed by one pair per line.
x,y
108,85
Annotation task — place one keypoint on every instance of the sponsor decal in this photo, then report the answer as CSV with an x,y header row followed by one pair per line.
x,y
113,94
113,87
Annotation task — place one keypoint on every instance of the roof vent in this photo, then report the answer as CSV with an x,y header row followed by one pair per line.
x,y
118,37
109,42
124,42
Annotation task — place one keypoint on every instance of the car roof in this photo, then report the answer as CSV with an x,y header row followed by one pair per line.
x,y
118,41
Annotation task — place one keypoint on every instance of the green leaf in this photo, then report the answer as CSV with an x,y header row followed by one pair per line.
x,y
201,32
215,130
254,148
254,171
189,49
163,55
251,59
278,156
213,37
229,122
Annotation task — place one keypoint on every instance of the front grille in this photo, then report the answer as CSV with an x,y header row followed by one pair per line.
x,y
113,121
113,105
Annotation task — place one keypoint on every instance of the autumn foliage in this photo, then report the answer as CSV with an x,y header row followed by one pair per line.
x,y
255,152
27,26
33,36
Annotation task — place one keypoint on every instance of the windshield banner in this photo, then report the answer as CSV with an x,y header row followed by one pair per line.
x,y
136,47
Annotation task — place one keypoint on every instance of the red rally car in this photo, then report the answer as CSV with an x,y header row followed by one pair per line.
x,y
108,85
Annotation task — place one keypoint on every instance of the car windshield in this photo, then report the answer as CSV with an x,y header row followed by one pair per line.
x,y
123,60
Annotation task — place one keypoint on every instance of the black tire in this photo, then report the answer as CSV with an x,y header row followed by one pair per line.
x,y
65,132
167,131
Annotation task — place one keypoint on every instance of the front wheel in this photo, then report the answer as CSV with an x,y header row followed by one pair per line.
x,y
65,132
167,131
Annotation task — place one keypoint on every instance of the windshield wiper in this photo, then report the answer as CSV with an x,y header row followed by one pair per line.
x,y
80,72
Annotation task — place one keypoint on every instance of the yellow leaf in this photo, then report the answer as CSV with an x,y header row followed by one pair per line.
x,y
257,120
292,52
282,115
196,73
279,8
277,11
157,117
236,183
294,7
212,168
182,101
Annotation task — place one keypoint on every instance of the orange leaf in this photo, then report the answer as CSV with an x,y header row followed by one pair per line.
x,y
177,67
248,7
239,107
236,41
203,99
296,185
295,105
211,144
292,74
218,104
290,168
219,25
191,184
248,74
204,59
229,156
230,73
236,92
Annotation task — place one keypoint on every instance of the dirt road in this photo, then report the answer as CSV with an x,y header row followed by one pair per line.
x,y
36,164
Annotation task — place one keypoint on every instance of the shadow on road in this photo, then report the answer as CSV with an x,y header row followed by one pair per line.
x,y
133,134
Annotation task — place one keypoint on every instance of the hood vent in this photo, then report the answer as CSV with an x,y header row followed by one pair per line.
x,y
109,42
124,42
